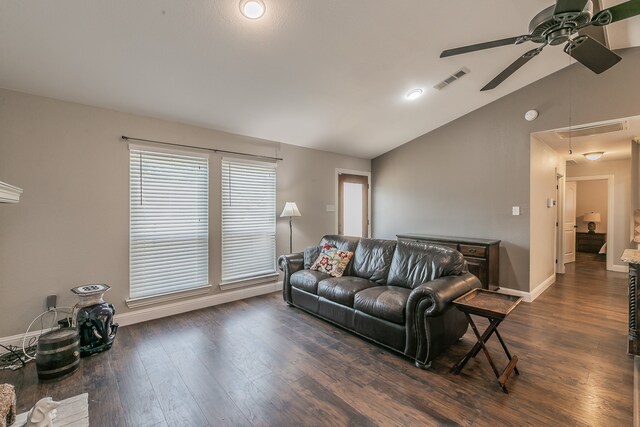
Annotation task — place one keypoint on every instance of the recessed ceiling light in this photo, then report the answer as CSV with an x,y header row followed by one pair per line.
x,y
413,94
252,9
595,155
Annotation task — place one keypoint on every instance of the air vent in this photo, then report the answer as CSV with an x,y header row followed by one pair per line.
x,y
571,162
452,78
577,132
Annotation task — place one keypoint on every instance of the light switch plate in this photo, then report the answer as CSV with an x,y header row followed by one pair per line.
x,y
515,210
331,208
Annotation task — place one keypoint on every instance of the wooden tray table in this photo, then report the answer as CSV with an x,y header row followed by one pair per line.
x,y
495,307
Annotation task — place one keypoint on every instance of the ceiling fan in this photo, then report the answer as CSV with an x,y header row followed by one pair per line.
x,y
558,24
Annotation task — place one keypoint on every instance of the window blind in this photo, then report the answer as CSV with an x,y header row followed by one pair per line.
x,y
169,222
248,219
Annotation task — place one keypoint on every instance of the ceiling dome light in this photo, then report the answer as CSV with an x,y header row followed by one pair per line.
x,y
252,9
413,94
595,155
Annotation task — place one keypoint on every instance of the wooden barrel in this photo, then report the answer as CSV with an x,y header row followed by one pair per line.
x,y
58,353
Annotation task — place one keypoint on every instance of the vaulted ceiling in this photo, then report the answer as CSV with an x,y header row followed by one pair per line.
x,y
326,74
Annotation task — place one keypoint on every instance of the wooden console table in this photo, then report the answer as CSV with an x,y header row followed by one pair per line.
x,y
495,307
590,242
482,255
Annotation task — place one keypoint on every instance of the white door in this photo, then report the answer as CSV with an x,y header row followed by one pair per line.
x,y
353,204
569,225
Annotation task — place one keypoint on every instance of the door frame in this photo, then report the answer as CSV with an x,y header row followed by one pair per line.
x,y
560,202
610,211
337,196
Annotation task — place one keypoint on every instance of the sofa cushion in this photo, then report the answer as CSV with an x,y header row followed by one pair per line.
x,y
307,280
311,254
416,263
385,302
344,243
341,290
332,260
372,259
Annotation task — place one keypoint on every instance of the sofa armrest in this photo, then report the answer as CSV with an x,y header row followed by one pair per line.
x,y
429,305
441,292
289,264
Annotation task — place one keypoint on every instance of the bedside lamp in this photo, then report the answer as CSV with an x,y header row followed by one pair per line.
x,y
591,218
290,210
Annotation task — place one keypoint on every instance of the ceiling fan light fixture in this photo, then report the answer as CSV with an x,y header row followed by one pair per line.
x,y
414,94
252,9
558,24
594,155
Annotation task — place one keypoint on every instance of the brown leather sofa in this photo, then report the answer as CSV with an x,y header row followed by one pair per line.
x,y
397,294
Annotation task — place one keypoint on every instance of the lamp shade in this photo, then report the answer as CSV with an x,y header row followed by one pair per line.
x,y
290,209
591,217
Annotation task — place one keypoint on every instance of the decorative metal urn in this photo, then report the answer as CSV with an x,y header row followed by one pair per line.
x,y
93,318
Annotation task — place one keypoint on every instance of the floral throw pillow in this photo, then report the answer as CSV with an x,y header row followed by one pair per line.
x,y
332,260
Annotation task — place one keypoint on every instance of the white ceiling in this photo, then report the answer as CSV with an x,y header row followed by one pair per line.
x,y
327,74
615,145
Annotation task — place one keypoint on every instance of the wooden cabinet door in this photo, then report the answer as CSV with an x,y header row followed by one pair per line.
x,y
478,267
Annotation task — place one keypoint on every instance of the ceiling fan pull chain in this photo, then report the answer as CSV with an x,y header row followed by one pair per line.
x,y
570,108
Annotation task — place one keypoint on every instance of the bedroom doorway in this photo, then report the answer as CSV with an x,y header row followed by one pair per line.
x,y
593,205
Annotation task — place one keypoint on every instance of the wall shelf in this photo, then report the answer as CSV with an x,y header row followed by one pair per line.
x,y
9,193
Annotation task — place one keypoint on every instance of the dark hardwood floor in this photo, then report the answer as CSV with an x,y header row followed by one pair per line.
x,y
259,362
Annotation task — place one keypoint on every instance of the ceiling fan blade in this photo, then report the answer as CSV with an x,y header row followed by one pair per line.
x,y
591,54
512,68
482,46
617,13
568,8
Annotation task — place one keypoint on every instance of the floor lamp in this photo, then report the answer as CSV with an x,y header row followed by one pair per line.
x,y
290,210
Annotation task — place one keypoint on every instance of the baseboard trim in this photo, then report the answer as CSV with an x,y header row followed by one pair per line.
x,y
538,290
16,340
531,296
170,309
178,307
619,268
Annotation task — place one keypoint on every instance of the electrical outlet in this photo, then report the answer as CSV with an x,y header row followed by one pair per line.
x,y
51,301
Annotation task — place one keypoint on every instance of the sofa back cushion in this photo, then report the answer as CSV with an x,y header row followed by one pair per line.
x,y
372,259
311,254
415,263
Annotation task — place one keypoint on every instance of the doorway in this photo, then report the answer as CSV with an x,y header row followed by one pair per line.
x,y
353,203
593,210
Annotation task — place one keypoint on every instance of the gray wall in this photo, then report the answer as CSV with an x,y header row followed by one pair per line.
x,y
463,178
71,226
